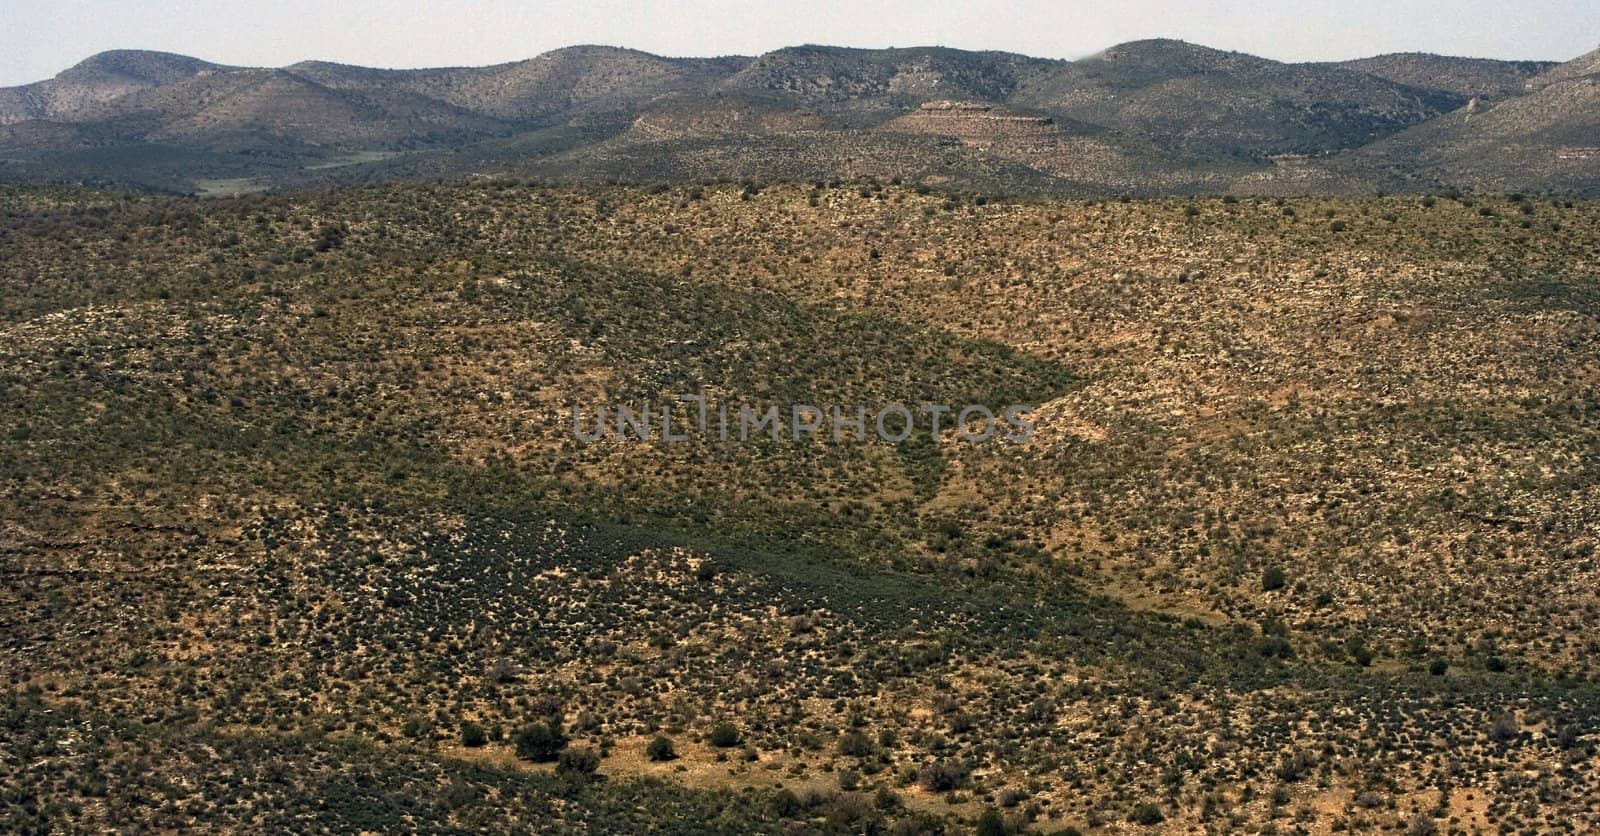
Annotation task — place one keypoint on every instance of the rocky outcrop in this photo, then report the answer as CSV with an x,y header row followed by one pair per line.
x,y
973,121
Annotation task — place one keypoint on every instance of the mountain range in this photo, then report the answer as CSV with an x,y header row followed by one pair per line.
x,y
1147,117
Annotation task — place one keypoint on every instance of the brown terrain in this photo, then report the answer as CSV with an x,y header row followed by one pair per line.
x,y
1156,117
296,535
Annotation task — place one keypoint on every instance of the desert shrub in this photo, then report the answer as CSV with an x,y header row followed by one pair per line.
x,y
1504,727
724,735
540,742
1147,813
850,813
1356,646
660,749
415,727
578,762
1275,647
784,804
1297,765
942,776
1567,736
855,744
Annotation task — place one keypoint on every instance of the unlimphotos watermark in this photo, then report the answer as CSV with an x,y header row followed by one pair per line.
x,y
688,417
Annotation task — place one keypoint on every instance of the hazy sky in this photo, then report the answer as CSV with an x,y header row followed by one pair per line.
x,y
39,38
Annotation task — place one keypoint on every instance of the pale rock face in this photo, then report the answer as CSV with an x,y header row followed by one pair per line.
x,y
976,121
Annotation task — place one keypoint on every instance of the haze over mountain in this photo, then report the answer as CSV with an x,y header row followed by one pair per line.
x,y
1156,116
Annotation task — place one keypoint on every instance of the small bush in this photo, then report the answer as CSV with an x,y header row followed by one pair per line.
x,y
1297,766
991,824
784,804
724,736
660,750
942,776
1147,814
855,744
540,742
1505,727
579,763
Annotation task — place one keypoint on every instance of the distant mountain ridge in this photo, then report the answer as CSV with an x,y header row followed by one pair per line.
x,y
1546,139
1153,116
1470,77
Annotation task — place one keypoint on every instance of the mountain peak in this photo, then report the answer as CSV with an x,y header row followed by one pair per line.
x,y
139,65
593,51
1161,48
1170,56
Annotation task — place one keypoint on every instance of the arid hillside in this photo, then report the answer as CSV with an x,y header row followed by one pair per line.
x,y
296,534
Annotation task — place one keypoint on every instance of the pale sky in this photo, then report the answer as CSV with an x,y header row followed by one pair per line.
x,y
39,38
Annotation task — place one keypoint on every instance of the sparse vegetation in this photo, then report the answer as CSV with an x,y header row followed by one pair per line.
x,y
1304,539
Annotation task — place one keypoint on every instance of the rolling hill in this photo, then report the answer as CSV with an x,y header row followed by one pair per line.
x,y
1229,103
1545,140
1146,117
1468,77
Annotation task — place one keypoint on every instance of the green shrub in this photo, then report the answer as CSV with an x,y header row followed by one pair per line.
x,y
579,763
991,824
784,804
540,742
1147,814
942,776
661,749
855,744
1505,727
724,735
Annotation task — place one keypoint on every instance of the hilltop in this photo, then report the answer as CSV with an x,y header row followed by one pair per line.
x,y
1146,117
